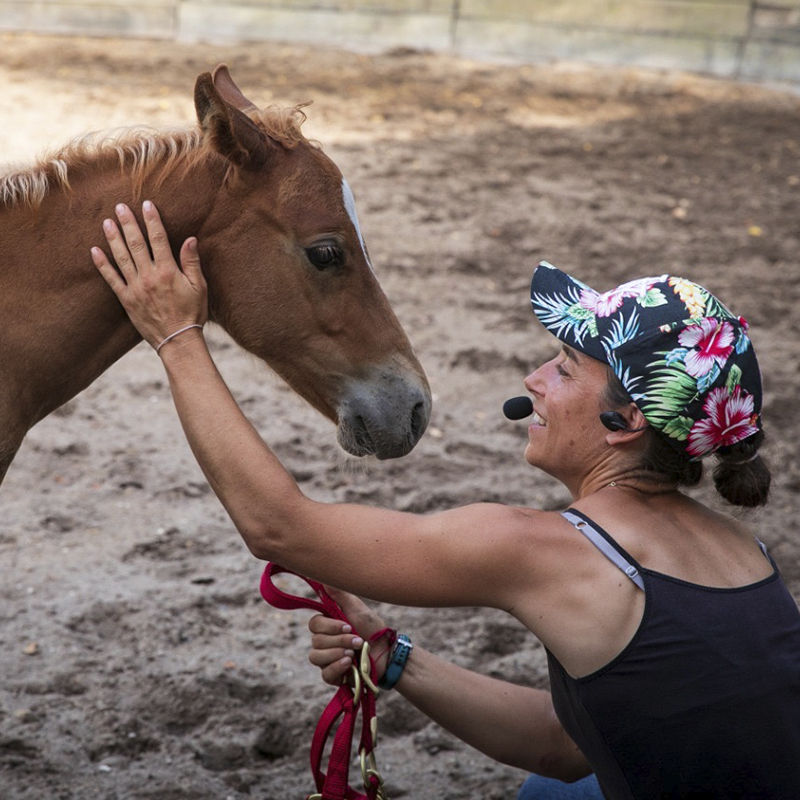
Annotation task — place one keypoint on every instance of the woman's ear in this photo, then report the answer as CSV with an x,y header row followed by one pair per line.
x,y
635,425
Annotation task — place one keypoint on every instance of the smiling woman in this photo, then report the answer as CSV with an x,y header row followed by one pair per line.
x,y
567,392
679,357
652,377
625,683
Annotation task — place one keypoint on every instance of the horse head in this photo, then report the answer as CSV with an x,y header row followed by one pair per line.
x,y
290,276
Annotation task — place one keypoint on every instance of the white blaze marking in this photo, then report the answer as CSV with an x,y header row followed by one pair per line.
x,y
350,206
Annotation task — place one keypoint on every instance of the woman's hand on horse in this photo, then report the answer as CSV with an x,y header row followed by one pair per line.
x,y
159,297
334,643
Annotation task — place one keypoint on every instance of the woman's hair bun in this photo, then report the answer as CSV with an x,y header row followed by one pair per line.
x,y
741,475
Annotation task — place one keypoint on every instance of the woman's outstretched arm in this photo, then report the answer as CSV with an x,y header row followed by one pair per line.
x,y
464,556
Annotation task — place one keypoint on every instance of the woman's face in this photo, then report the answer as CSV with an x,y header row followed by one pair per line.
x,y
566,436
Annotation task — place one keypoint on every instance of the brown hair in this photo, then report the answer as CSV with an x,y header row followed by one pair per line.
x,y
741,476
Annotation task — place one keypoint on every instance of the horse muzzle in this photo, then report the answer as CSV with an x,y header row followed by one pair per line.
x,y
384,416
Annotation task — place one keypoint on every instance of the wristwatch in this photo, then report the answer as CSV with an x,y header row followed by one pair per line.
x,y
397,661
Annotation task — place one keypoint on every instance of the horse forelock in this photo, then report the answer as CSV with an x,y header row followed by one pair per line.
x,y
284,125
142,150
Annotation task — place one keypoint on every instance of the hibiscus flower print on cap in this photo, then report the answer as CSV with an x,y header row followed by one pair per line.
x,y
684,358
708,344
730,419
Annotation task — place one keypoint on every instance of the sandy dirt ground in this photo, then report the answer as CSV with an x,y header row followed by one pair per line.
x,y
137,660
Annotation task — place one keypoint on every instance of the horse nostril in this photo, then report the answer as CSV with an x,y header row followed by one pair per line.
x,y
419,421
361,436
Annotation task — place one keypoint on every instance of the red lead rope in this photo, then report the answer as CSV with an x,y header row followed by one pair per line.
x,y
334,784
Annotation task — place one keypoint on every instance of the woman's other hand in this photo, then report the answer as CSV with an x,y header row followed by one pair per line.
x,y
159,297
334,643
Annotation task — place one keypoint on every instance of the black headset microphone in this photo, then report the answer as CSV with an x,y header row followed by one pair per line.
x,y
518,407
521,407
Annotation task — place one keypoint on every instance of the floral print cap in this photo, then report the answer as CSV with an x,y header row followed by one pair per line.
x,y
686,361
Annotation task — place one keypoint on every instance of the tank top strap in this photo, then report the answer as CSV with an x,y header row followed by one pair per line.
x,y
605,544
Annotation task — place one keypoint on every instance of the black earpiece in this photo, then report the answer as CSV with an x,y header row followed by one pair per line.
x,y
614,421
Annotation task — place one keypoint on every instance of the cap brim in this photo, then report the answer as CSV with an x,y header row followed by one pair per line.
x,y
556,300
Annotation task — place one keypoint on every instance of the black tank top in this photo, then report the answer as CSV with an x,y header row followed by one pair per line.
x,y
704,702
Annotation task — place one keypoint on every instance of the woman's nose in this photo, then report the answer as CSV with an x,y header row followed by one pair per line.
x,y
533,380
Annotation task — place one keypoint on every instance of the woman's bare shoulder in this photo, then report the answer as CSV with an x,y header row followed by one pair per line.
x,y
537,523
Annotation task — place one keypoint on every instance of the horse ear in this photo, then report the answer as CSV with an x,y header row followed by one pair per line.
x,y
229,91
229,130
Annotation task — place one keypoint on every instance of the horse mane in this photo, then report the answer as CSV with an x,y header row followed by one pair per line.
x,y
138,149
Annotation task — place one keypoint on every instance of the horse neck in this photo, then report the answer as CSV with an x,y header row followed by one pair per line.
x,y
60,324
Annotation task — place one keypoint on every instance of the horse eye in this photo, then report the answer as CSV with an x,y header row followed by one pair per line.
x,y
325,256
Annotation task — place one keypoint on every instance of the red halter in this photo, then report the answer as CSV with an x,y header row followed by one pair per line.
x,y
333,784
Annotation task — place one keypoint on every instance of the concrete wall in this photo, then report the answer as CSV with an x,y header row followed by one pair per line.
x,y
731,38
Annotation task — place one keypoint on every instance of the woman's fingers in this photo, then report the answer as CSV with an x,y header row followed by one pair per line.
x,y
134,239
335,674
119,250
331,655
159,298
334,646
327,625
157,236
344,641
190,264
108,271
328,633
334,664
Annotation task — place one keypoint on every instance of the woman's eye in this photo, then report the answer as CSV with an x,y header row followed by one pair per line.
x,y
325,256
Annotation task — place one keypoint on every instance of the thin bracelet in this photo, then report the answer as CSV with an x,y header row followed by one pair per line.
x,y
173,335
